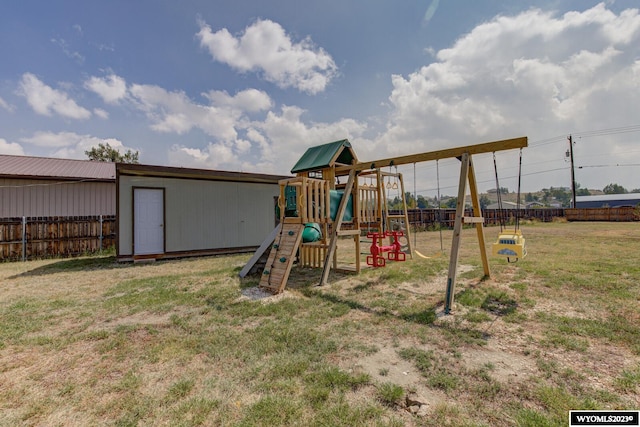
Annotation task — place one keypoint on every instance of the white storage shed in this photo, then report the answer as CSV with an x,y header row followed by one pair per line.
x,y
168,212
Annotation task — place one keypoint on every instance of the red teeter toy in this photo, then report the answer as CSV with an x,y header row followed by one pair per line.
x,y
394,250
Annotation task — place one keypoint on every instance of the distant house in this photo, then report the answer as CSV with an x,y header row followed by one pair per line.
x,y
169,212
608,200
534,205
46,187
505,205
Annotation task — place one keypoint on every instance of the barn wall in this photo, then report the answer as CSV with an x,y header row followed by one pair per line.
x,y
202,215
44,198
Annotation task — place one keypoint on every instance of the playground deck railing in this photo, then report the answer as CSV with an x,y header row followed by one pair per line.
x,y
312,199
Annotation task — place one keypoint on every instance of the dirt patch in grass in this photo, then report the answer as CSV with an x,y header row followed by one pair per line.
x,y
386,366
503,365
93,342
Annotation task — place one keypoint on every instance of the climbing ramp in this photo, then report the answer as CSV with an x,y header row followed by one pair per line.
x,y
283,253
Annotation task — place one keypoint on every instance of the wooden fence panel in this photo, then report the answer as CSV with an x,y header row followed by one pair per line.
x,y
425,219
626,213
46,237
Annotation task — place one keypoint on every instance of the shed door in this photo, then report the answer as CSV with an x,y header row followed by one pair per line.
x,y
148,221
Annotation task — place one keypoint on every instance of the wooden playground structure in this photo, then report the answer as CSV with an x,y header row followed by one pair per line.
x,y
355,208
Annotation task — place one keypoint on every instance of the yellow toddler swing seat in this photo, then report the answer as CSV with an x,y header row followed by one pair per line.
x,y
510,244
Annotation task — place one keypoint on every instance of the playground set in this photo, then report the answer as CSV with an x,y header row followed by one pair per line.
x,y
316,210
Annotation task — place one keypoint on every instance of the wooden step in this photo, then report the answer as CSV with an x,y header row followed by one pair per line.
x,y
348,232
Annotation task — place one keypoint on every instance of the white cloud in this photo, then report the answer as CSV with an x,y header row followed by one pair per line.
x,y
216,155
70,145
271,145
46,100
11,148
250,100
66,49
101,113
531,74
53,140
265,47
4,104
111,88
176,112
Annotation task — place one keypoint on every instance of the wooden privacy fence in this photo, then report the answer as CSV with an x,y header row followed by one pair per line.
x,y
33,237
626,213
432,218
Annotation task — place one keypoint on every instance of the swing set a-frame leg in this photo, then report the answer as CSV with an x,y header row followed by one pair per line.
x,y
467,173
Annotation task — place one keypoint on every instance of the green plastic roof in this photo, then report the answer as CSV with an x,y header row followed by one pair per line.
x,y
323,156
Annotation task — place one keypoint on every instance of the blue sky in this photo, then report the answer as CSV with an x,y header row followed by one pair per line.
x,y
250,85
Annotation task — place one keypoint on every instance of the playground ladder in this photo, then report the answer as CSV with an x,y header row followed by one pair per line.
x,y
283,253
337,229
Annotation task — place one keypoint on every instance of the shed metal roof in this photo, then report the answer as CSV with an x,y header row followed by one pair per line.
x,y
323,156
201,174
47,168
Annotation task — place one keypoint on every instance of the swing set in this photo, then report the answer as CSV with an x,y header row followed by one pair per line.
x,y
345,211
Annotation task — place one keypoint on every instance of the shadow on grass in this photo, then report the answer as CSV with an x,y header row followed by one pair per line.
x,y
422,317
75,264
300,278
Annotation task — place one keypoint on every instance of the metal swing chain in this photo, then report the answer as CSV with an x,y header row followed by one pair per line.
x,y
518,200
439,207
501,220
415,197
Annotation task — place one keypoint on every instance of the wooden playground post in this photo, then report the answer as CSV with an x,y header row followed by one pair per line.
x,y
478,219
457,229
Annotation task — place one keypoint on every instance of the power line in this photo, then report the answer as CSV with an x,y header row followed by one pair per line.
x,y
552,140
610,131
502,178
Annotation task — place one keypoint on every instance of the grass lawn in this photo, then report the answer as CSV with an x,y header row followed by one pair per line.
x,y
88,341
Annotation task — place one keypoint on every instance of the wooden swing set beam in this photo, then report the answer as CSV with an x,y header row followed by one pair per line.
x,y
487,147
467,176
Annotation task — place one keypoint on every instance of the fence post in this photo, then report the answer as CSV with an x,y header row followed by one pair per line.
x,y
24,238
100,238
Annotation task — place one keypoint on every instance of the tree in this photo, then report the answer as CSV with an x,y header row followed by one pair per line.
x,y
106,153
411,201
614,189
484,201
422,202
452,203
582,191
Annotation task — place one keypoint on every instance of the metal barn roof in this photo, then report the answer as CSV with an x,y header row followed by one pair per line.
x,y
608,197
323,156
48,168
608,200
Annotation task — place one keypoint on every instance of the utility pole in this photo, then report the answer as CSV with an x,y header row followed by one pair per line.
x,y
573,175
